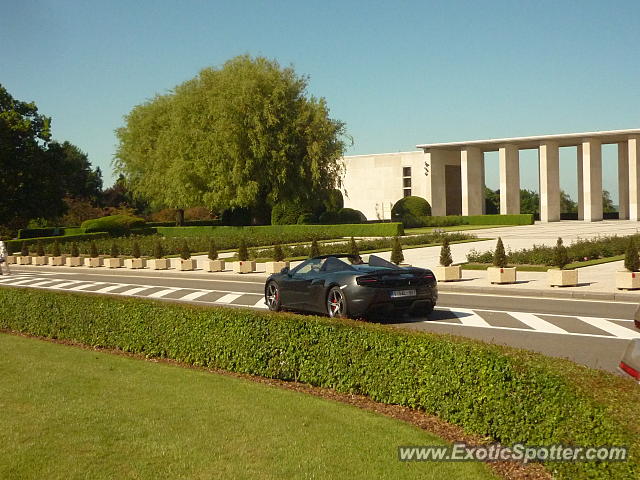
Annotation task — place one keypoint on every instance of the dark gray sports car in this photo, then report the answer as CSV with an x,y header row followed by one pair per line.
x,y
344,286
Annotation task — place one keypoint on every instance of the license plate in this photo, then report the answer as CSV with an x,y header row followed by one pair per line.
x,y
403,293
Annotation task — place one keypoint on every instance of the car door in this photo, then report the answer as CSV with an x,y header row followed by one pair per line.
x,y
298,283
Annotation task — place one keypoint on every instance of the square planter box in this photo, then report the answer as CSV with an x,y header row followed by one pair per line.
x,y
11,259
562,278
56,261
247,266
502,275
114,262
185,265
448,274
39,260
74,261
213,265
627,280
158,263
174,262
92,262
134,263
23,260
275,267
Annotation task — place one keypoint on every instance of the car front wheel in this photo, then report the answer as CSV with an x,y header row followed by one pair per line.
x,y
337,303
272,297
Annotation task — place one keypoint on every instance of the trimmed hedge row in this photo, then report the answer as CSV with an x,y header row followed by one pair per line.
x,y
506,394
113,224
40,232
452,220
16,245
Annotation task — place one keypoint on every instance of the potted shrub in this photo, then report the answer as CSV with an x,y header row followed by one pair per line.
x,y
213,263
314,249
114,260
278,260
447,272
186,263
94,259
353,247
559,277
135,262
158,262
397,256
74,260
500,273
40,258
243,265
630,278
56,259
24,258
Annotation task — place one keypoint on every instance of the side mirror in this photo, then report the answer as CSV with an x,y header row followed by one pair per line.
x,y
285,270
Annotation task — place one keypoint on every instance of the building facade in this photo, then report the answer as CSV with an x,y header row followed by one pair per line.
x,y
450,176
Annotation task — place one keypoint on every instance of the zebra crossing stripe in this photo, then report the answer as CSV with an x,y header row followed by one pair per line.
x,y
228,298
109,288
260,304
86,285
537,323
162,293
194,295
133,291
64,284
22,282
469,318
43,283
610,327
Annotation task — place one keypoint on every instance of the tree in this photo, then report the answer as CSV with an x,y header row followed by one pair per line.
x,y
77,177
185,252
607,203
213,139
213,251
445,253
314,250
631,260
529,201
243,252
158,251
491,201
115,251
353,247
278,253
135,249
499,255
566,204
560,255
396,251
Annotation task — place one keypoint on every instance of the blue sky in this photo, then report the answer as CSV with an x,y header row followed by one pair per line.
x,y
398,73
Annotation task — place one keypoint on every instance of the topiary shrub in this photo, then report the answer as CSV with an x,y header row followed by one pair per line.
x,y
56,249
74,250
115,225
631,260
353,247
158,251
39,248
213,251
135,249
278,253
329,218
306,219
408,210
243,252
287,213
560,255
396,252
93,250
350,215
115,251
185,252
24,249
236,216
499,255
445,253
314,250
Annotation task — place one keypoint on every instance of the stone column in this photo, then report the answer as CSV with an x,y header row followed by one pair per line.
x,y
580,184
592,179
633,147
623,180
438,200
509,180
472,173
549,161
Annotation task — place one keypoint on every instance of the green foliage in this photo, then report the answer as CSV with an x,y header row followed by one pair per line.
x,y
114,252
24,233
329,218
93,250
333,200
452,220
135,249
287,213
74,250
314,251
278,253
408,210
529,202
243,135
243,252
56,249
607,203
39,249
24,249
396,251
499,255
631,260
445,253
353,247
185,252
560,255
114,224
306,219
213,250
504,394
350,215
158,251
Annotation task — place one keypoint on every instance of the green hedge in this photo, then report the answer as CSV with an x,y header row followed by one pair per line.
x,y
113,224
24,233
452,220
16,245
505,394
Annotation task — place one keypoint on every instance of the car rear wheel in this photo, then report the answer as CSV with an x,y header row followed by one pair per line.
x,y
336,303
272,297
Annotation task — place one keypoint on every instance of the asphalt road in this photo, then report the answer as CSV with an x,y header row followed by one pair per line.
x,y
589,332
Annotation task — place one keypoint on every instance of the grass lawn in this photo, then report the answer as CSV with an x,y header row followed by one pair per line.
x,y
454,228
74,413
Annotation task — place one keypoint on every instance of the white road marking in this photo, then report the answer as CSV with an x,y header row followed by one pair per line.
x,y
537,323
64,284
610,327
43,283
260,304
109,288
162,293
228,298
194,295
87,285
133,291
22,282
469,318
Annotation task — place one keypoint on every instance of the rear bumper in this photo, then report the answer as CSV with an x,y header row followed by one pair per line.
x,y
374,300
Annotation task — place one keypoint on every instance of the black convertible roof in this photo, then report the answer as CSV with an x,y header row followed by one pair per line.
x,y
374,260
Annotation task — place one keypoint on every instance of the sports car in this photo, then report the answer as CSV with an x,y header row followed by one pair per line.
x,y
345,286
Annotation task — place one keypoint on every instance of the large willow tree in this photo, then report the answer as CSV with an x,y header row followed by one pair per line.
x,y
243,135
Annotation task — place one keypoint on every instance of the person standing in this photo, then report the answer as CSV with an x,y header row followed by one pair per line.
x,y
3,259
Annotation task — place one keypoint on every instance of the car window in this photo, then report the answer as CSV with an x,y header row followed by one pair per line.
x,y
309,267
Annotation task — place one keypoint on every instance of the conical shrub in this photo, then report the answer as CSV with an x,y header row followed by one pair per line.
x,y
560,255
56,249
24,249
353,247
213,250
243,252
396,251
74,250
314,250
278,253
39,248
499,255
158,251
135,249
115,251
445,253
185,252
631,260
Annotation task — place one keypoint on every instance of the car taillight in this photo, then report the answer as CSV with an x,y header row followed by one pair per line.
x,y
630,370
367,280
427,275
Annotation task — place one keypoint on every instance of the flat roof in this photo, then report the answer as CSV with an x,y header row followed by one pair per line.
x,y
563,140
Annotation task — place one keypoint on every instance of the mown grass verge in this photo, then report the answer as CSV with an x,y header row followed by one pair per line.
x,y
506,394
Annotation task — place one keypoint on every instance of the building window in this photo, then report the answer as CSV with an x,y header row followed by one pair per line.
x,y
406,181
